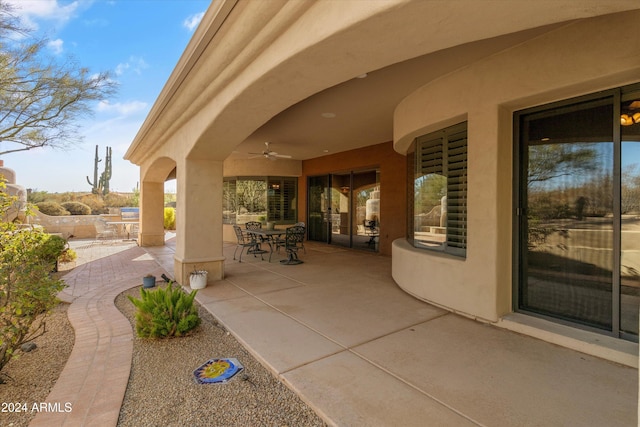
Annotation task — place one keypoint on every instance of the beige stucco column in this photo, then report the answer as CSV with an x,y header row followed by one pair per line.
x,y
199,219
151,214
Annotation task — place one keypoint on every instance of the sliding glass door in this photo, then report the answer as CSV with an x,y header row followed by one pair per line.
x,y
344,209
578,214
319,211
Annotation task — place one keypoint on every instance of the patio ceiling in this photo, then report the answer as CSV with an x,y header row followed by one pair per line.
x,y
360,111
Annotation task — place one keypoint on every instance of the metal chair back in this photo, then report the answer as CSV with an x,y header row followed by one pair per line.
x,y
253,225
293,241
294,237
245,240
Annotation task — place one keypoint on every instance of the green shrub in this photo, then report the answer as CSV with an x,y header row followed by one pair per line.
x,y
169,219
76,208
165,312
54,250
27,289
52,208
68,255
50,249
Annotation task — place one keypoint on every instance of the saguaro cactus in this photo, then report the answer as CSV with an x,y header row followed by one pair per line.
x,y
105,177
101,186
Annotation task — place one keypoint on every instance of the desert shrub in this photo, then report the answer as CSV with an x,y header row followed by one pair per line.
x,y
51,248
68,255
165,312
169,219
76,208
95,202
52,208
27,289
36,196
54,250
115,200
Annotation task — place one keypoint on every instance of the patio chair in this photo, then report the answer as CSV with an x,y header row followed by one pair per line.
x,y
301,224
371,230
245,240
292,243
135,229
105,231
255,225
281,241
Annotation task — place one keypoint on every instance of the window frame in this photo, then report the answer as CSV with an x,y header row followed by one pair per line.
x,y
443,152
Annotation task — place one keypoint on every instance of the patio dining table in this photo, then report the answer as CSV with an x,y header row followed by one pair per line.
x,y
269,236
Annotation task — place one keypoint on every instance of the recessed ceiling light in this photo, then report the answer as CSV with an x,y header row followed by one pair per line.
x,y
328,115
325,151
362,76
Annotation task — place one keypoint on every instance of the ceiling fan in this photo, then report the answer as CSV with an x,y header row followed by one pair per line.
x,y
268,154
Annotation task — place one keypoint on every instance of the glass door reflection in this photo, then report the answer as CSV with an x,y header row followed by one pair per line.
x,y
630,215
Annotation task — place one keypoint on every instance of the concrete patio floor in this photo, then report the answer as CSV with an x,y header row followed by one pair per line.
x,y
340,333
360,351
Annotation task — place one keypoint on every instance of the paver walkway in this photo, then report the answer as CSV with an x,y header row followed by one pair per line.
x,y
95,377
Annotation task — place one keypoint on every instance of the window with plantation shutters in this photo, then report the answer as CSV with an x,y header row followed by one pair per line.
x,y
439,199
281,199
260,199
457,191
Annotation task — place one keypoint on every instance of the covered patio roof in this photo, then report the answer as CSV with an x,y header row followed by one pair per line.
x,y
268,71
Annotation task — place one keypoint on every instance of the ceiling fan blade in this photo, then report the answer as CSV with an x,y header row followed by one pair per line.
x,y
268,154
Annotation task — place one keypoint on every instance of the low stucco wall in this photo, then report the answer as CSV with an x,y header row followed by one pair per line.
x,y
78,226
443,280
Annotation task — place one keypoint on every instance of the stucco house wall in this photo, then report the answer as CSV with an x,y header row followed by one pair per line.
x,y
573,60
284,54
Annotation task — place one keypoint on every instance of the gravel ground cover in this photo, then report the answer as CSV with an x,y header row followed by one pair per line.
x,y
162,390
29,378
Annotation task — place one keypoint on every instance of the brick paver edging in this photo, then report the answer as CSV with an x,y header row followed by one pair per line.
x,y
91,387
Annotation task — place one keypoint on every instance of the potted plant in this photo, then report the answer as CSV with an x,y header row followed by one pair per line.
x,y
149,281
198,279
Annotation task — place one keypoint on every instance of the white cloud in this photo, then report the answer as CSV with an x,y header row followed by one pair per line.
x,y
29,11
124,108
56,46
135,63
121,68
192,21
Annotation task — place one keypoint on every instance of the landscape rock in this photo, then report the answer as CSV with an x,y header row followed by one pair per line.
x,y
28,346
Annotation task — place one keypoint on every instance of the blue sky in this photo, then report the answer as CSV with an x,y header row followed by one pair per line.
x,y
139,42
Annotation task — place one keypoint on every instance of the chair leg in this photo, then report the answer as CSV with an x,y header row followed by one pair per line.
x,y
292,258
